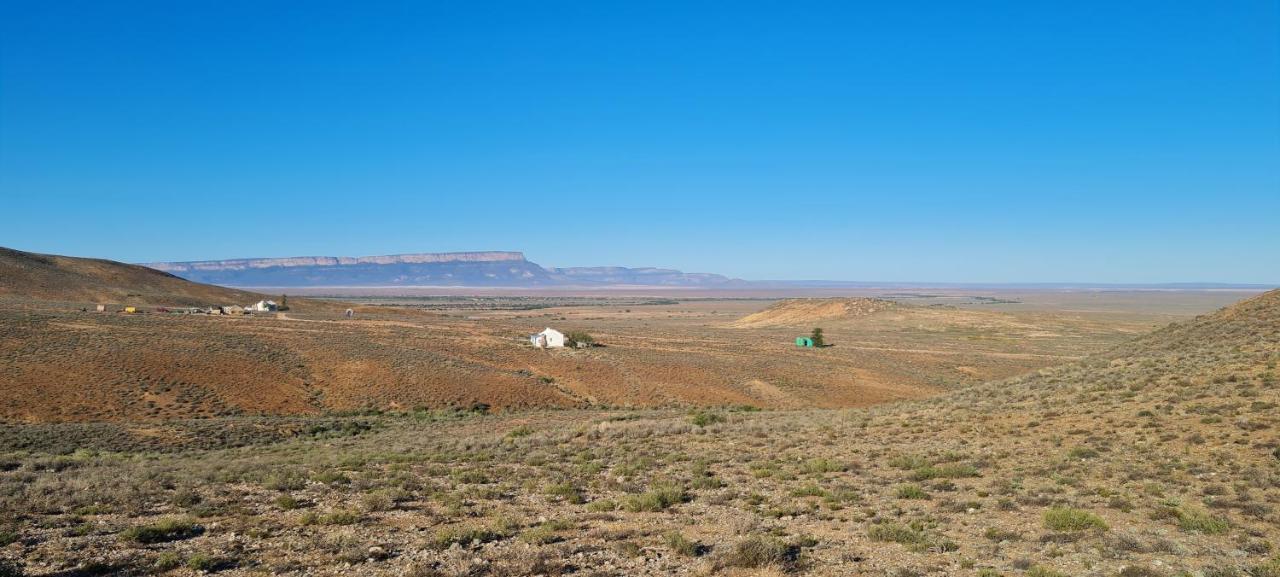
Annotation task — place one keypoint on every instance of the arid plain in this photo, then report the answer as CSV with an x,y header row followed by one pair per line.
x,y
985,433
443,352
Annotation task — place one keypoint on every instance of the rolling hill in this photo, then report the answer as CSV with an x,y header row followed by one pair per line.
x,y
1208,356
97,281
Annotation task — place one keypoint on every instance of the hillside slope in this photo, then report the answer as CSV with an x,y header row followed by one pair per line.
x,y
1160,458
1172,440
63,278
1237,347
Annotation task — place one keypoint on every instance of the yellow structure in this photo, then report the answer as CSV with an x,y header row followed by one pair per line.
x,y
130,310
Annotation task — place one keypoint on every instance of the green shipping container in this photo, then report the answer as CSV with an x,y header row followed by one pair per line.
x,y
804,342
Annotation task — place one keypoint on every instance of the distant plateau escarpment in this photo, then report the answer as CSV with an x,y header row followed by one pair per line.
x,y
488,268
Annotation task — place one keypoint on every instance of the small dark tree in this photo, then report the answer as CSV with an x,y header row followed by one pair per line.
x,y
284,303
816,337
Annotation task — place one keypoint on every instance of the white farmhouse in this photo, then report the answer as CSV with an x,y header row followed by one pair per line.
x,y
264,306
548,339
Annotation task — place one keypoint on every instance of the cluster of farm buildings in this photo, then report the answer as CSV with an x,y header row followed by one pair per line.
x,y
263,306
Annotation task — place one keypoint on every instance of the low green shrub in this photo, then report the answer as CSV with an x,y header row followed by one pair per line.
x,y
546,533
1202,522
1066,519
287,502
947,471
680,545
911,492
705,418
895,533
465,535
819,465
658,498
164,530
761,551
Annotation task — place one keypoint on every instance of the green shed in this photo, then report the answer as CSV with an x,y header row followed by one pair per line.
x,y
804,342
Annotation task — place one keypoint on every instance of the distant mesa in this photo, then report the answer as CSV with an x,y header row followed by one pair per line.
x,y
326,261
804,312
452,269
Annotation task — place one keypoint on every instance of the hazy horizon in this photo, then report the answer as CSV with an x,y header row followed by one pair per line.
x,y
812,283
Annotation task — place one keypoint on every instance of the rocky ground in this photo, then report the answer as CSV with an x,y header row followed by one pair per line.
x,y
1160,457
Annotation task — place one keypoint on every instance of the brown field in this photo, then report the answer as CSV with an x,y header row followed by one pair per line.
x,y
60,364
1159,456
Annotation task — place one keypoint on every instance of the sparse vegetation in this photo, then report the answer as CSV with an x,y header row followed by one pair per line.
x,y
1027,467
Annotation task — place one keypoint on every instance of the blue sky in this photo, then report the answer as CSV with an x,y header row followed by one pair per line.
x,y
963,142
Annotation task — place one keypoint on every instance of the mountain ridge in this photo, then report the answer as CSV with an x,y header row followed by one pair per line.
x,y
475,268
297,261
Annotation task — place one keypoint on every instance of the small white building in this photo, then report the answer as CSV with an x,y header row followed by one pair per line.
x,y
548,339
264,307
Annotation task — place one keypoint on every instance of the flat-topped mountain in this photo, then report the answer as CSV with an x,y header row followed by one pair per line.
x,y
305,261
489,268
485,268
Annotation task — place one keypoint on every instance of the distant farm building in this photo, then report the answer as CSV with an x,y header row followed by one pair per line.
x,y
102,308
805,342
130,310
264,307
548,339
